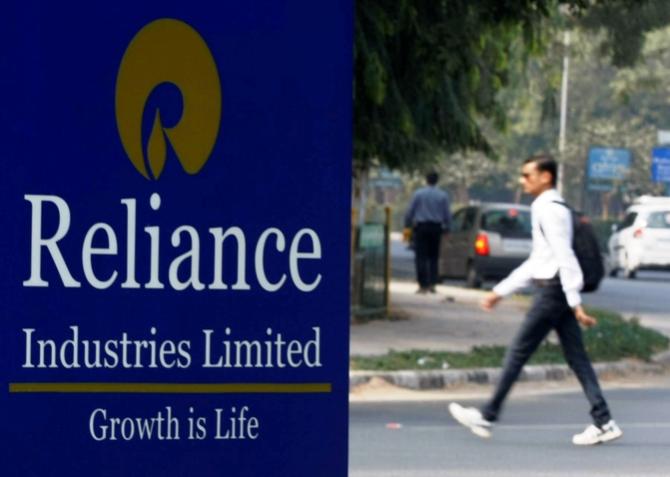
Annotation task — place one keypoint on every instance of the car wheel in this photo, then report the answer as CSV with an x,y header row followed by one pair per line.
x,y
628,271
613,273
472,277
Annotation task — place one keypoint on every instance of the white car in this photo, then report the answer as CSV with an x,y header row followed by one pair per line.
x,y
642,240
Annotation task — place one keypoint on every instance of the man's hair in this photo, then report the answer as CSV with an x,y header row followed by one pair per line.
x,y
432,177
545,163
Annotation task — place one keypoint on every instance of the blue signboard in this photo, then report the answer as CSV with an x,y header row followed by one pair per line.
x,y
174,246
608,163
660,164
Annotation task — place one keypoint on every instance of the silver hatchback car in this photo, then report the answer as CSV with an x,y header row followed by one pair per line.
x,y
487,241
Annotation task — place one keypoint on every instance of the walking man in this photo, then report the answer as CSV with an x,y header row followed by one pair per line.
x,y
429,217
553,268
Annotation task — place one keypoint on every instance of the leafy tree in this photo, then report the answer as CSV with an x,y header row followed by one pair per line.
x,y
625,25
427,71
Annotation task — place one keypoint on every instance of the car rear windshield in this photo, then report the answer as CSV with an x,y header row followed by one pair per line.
x,y
510,223
659,220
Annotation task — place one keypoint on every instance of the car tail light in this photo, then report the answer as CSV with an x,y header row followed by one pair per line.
x,y
482,245
638,232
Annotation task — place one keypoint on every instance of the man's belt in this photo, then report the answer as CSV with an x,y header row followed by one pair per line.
x,y
546,282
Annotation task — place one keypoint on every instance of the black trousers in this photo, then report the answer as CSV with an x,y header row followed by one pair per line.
x,y
427,237
549,311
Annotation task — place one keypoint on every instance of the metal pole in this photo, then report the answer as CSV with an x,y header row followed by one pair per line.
x,y
387,260
564,111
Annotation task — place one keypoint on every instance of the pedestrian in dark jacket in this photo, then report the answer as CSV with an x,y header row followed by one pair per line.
x,y
429,217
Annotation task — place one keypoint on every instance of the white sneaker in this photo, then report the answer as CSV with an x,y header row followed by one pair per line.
x,y
471,418
596,435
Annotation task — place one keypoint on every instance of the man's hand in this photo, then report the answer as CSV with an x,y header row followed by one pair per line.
x,y
490,301
583,318
406,234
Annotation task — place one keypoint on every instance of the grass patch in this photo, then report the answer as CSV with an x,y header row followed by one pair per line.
x,y
614,338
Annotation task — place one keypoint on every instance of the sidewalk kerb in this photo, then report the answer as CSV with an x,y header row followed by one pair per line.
x,y
444,379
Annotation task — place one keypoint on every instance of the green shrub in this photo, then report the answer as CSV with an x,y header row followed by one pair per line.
x,y
615,338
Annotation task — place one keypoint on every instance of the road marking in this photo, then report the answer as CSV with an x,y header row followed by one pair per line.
x,y
541,427
625,425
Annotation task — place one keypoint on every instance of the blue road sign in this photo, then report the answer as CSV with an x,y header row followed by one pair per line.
x,y
660,164
608,163
174,238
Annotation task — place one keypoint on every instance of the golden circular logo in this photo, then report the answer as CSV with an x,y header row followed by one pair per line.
x,y
168,51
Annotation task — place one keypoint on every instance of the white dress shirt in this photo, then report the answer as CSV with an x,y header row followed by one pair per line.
x,y
551,252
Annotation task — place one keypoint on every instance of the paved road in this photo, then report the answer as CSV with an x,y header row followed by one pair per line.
x,y
645,297
532,441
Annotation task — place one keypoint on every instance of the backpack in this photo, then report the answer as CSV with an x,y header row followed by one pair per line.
x,y
587,250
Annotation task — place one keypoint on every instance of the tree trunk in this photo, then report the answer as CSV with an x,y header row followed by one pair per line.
x,y
605,204
359,198
463,194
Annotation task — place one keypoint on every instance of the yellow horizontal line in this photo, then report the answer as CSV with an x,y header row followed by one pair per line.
x,y
172,388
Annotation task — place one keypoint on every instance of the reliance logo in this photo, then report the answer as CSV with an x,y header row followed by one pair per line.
x,y
168,51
